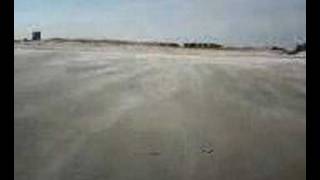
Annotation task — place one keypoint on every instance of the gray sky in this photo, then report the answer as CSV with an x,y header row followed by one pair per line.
x,y
234,22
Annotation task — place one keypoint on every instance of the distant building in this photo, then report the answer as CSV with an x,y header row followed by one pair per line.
x,y
36,36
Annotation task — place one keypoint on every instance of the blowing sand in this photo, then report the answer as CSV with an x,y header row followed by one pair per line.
x,y
113,112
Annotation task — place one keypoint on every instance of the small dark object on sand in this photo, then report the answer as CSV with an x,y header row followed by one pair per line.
x,y
206,150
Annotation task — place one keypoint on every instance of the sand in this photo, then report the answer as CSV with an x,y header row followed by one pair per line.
x,y
86,112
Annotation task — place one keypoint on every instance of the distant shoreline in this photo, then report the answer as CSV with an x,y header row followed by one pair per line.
x,y
193,45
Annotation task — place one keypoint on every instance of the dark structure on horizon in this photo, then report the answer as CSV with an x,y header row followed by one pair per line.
x,y
299,48
202,45
36,36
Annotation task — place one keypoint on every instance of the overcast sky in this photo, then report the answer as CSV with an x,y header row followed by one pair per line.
x,y
236,22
